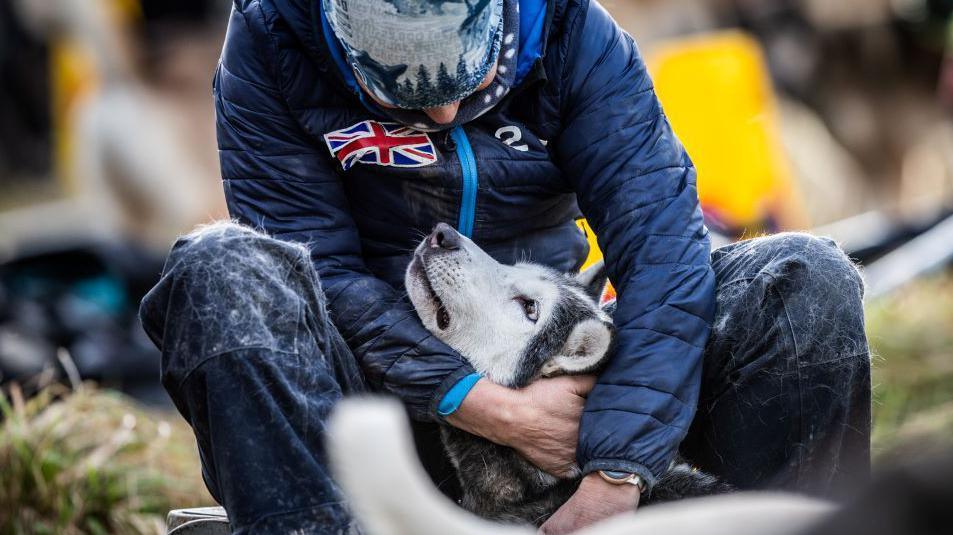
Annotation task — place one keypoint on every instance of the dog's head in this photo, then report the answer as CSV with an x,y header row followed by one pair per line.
x,y
513,323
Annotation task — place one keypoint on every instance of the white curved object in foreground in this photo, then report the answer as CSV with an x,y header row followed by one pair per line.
x,y
374,459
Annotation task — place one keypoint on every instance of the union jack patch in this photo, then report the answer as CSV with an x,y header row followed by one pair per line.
x,y
387,144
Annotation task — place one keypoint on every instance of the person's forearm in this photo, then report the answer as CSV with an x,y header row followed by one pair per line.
x,y
487,411
539,421
595,500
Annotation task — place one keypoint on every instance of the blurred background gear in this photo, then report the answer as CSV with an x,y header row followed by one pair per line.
x,y
83,298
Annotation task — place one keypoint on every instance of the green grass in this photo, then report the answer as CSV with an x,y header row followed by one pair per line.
x,y
92,462
911,336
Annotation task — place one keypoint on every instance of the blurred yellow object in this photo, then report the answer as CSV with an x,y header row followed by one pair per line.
x,y
73,75
595,254
716,91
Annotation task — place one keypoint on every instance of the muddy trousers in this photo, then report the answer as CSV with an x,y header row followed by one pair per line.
x,y
253,362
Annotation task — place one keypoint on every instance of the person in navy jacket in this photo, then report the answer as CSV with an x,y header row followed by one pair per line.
x,y
347,129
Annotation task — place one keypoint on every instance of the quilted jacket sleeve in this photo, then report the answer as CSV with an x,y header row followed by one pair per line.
x,y
636,186
278,179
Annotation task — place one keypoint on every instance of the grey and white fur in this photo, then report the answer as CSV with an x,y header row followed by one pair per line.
x,y
515,324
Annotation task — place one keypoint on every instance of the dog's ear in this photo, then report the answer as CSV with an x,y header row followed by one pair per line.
x,y
586,349
594,279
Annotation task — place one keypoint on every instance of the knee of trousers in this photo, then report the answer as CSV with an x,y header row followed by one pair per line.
x,y
226,287
812,264
238,266
821,297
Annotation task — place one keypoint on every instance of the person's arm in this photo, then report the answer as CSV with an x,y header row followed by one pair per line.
x,y
278,179
540,421
636,186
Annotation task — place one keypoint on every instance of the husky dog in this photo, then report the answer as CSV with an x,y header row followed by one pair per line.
x,y
515,324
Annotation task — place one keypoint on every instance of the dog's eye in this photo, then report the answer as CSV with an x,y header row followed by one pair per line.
x,y
530,307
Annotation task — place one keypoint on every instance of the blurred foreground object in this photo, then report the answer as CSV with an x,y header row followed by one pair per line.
x,y
126,165
912,498
91,461
372,455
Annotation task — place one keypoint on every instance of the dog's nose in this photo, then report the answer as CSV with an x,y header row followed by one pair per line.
x,y
444,237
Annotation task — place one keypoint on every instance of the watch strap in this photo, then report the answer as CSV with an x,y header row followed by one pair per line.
x,y
622,478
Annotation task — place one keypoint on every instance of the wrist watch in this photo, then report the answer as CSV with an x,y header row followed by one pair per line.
x,y
623,478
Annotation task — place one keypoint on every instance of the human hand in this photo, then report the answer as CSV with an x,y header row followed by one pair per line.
x,y
593,501
540,421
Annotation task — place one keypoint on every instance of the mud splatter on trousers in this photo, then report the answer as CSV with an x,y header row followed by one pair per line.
x,y
252,360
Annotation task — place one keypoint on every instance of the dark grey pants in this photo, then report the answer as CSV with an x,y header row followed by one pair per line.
x,y
253,362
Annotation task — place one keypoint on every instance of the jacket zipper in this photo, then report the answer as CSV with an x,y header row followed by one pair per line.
x,y
470,181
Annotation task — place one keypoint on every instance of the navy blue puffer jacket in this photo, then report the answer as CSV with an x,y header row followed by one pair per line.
x,y
583,134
